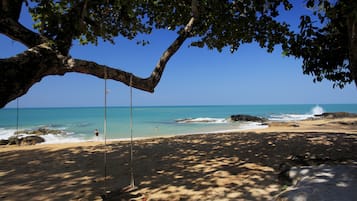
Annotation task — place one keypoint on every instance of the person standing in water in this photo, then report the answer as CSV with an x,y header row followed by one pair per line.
x,y
96,132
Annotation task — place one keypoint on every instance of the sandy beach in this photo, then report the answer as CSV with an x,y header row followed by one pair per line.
x,y
223,166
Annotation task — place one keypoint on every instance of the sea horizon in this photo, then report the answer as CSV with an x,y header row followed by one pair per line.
x,y
173,105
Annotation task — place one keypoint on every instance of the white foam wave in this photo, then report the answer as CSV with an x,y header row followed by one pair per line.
x,y
317,110
298,117
6,133
290,117
202,120
252,125
59,139
242,127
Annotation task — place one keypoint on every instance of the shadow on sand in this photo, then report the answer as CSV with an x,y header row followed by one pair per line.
x,y
239,166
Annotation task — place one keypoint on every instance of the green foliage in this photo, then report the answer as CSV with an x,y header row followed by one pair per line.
x,y
323,45
232,23
221,23
322,42
89,20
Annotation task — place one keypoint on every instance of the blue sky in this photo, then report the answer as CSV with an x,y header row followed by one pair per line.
x,y
194,76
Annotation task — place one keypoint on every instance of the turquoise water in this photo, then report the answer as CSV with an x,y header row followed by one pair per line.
x,y
80,123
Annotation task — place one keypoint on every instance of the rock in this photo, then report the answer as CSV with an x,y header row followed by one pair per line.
x,y
334,115
19,140
4,142
244,117
40,131
321,183
14,140
31,140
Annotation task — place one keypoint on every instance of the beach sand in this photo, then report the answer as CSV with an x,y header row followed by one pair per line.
x,y
224,166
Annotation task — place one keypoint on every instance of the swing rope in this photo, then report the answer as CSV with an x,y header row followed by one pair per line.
x,y
132,185
17,116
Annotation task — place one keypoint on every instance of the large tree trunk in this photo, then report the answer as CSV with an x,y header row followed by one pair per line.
x,y
352,35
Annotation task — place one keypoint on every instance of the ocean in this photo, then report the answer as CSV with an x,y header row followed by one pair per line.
x,y
78,124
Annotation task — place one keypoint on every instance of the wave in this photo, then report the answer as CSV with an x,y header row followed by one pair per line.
x,y
252,125
290,117
6,133
202,120
317,110
59,139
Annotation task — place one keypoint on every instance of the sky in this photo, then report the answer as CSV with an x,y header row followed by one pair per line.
x,y
193,76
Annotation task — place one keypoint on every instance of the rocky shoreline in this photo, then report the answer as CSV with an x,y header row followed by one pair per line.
x,y
29,137
326,115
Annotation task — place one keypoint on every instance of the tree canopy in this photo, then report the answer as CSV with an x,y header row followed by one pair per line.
x,y
328,47
327,41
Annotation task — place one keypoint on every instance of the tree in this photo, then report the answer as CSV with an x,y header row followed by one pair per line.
x,y
214,23
209,23
327,41
58,24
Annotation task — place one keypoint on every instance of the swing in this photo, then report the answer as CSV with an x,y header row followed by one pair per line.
x,y
131,187
17,115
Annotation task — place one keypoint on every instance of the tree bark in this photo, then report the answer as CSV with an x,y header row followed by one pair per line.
x,y
352,35
17,32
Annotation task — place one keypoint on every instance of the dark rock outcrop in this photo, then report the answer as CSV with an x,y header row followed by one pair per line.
x,y
14,140
4,142
334,115
19,140
244,117
31,140
30,137
39,131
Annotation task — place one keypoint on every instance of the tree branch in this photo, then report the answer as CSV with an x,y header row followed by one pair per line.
x,y
17,32
9,15
172,49
19,73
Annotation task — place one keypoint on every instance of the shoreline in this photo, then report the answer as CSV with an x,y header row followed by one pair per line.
x,y
223,166
307,125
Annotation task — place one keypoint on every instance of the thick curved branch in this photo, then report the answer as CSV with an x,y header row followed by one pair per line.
x,y
145,84
19,73
172,49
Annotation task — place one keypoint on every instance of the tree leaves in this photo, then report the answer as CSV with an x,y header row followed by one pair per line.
x,y
322,41
324,46
221,22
